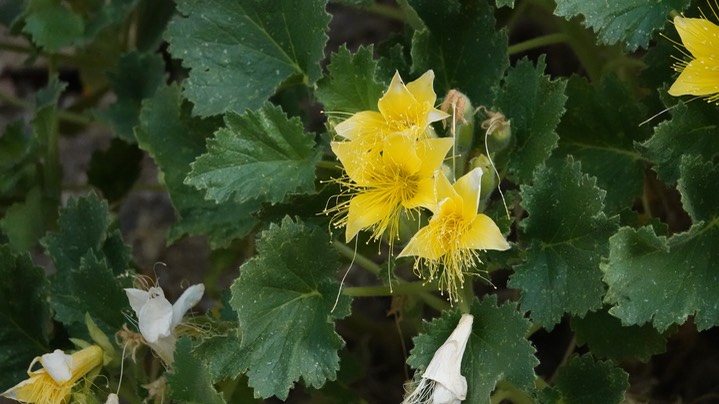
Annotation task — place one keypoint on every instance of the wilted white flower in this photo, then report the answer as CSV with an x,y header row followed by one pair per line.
x,y
157,318
442,382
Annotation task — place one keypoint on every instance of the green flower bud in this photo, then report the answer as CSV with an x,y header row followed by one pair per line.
x,y
489,180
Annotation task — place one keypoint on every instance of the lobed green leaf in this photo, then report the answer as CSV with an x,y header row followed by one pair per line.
x,y
586,381
285,301
351,85
606,337
534,104
175,139
24,315
135,78
189,380
568,234
240,52
258,155
600,128
691,131
629,22
666,280
460,43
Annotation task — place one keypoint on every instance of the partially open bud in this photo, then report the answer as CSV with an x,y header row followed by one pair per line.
x,y
462,128
499,130
442,382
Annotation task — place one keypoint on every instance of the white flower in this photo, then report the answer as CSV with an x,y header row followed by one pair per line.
x,y
157,318
112,398
442,382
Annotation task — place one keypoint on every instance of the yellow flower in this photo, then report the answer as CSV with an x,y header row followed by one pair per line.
x,y
408,109
382,185
700,75
449,243
53,383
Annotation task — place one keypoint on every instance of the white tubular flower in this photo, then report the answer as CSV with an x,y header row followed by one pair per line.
x,y
442,382
157,318
112,398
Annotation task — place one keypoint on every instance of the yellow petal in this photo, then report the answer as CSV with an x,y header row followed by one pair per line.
x,y
355,159
432,153
699,36
699,77
395,103
422,89
424,245
364,124
468,188
424,196
401,151
442,190
484,234
424,94
365,210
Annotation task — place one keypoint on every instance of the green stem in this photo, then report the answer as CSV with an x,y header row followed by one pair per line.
x,y
52,168
420,289
406,288
434,302
466,296
61,58
545,40
329,165
359,259
66,116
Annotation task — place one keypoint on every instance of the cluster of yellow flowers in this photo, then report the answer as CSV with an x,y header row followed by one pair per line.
x,y
392,161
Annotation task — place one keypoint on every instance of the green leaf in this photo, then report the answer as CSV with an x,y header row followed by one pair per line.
x,y
166,113
284,300
652,278
497,349
92,288
258,155
88,256
533,104
240,52
24,315
115,170
505,3
584,381
135,78
52,25
631,22
606,337
459,42
45,129
24,222
223,356
18,156
351,85
568,232
599,128
691,131
82,227
152,19
189,381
